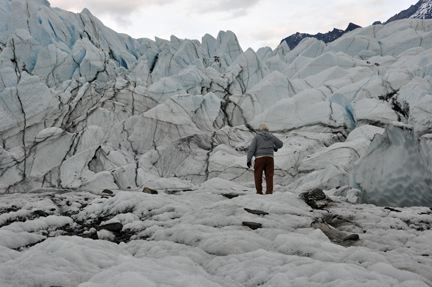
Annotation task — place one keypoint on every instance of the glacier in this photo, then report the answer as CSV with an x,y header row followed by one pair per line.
x,y
84,107
89,117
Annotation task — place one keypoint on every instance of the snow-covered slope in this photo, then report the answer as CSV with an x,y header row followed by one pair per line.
x,y
86,108
421,10
424,11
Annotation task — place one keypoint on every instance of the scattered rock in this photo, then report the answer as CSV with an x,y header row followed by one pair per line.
x,y
91,235
315,194
115,227
352,237
13,208
68,232
257,212
40,213
252,225
392,209
230,195
332,233
334,220
107,191
335,235
426,255
315,198
176,191
22,248
426,213
149,191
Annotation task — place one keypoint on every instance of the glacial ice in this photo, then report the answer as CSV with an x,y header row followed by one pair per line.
x,y
399,172
141,98
84,109
198,237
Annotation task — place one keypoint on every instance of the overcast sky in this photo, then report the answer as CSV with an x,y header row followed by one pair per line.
x,y
257,23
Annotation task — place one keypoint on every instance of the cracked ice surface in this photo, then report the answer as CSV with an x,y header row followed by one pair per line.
x,y
196,238
83,107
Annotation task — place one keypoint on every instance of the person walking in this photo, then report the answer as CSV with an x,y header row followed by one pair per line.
x,y
262,147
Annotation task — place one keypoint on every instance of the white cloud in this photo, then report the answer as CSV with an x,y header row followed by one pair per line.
x,y
270,37
237,7
118,11
112,7
257,23
362,16
123,8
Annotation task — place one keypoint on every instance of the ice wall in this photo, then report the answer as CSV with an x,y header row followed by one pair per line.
x,y
83,107
395,169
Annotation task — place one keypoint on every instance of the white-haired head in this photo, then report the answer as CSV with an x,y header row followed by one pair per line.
x,y
263,127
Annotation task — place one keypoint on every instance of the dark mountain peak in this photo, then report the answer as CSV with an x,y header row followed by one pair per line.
x,y
352,26
421,10
328,37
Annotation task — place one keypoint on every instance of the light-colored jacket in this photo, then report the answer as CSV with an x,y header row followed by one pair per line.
x,y
263,144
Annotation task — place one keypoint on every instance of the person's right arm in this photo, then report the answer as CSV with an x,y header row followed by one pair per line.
x,y
252,149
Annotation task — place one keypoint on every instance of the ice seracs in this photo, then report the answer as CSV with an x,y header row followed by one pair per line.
x,y
84,107
402,176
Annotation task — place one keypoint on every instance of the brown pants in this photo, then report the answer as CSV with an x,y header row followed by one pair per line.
x,y
265,164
